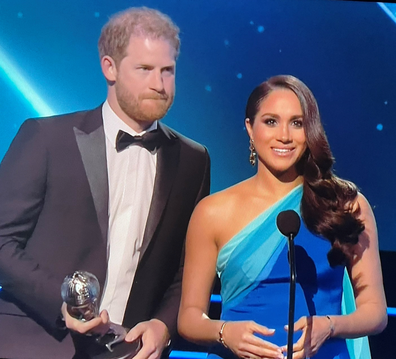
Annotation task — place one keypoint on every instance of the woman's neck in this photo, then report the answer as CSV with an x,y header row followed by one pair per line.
x,y
274,184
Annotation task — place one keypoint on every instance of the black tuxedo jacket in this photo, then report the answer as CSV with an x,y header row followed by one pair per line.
x,y
54,218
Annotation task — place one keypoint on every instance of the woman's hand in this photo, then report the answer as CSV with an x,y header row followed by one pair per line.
x,y
315,331
240,338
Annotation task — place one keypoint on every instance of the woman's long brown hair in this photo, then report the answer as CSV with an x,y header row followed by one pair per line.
x,y
328,205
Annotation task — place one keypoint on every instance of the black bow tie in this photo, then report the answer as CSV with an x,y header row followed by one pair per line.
x,y
150,140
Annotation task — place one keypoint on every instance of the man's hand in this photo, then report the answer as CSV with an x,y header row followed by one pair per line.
x,y
99,325
154,335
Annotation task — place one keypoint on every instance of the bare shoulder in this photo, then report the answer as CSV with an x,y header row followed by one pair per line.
x,y
362,201
366,212
220,204
368,239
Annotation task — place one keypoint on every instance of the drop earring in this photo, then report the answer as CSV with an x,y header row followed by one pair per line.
x,y
253,154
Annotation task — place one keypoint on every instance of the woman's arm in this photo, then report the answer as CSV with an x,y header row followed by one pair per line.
x,y
198,277
199,274
370,316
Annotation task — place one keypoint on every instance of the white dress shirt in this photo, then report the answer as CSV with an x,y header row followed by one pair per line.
x,y
131,174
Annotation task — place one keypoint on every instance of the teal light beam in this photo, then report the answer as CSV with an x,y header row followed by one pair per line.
x,y
15,77
387,10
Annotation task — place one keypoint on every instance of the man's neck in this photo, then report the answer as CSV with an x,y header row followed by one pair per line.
x,y
137,126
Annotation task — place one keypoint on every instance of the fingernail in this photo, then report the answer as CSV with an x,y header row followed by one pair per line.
x,y
271,330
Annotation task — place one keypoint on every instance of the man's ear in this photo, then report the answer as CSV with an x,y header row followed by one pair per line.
x,y
109,68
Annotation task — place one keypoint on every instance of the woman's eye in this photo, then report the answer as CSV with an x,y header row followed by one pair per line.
x,y
270,121
297,123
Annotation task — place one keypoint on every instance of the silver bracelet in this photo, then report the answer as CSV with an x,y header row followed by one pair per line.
x,y
331,327
221,338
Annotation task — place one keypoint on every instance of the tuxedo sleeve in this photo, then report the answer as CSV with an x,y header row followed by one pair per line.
x,y
169,306
23,174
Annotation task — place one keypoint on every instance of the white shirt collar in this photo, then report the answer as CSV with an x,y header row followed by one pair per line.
x,y
112,124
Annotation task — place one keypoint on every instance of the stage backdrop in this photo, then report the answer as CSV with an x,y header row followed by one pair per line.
x,y
344,51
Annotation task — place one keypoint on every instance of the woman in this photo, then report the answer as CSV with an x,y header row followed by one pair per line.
x,y
234,233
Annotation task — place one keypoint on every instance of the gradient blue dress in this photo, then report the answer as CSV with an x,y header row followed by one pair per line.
x,y
254,273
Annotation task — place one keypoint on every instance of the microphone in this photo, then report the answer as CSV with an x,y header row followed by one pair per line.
x,y
288,223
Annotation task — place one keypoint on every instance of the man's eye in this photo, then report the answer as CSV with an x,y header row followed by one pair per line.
x,y
168,70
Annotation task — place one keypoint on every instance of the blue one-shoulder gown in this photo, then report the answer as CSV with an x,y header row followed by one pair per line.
x,y
254,272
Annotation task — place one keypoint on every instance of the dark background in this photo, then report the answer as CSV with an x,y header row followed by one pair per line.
x,y
343,50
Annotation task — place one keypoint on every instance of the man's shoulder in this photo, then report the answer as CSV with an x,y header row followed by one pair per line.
x,y
74,119
184,140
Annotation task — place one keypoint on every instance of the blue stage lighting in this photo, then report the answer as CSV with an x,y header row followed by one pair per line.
x,y
390,10
13,74
215,298
391,312
188,355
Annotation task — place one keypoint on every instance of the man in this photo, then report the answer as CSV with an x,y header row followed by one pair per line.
x,y
76,194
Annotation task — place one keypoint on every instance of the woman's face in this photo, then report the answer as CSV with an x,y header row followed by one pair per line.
x,y
278,133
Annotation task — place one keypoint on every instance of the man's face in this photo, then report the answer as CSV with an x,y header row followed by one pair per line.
x,y
145,80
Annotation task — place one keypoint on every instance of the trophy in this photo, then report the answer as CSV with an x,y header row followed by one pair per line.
x,y
80,291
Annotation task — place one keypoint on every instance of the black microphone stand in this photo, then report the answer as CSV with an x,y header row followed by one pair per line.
x,y
288,223
292,296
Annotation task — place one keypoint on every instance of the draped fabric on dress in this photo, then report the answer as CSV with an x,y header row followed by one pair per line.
x,y
254,272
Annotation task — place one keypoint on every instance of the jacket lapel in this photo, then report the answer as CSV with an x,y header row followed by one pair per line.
x,y
167,163
90,139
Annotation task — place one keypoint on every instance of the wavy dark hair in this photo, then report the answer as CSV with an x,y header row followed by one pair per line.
x,y
328,204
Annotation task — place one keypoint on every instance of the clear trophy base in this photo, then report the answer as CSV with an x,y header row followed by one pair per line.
x,y
80,291
91,348
122,350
